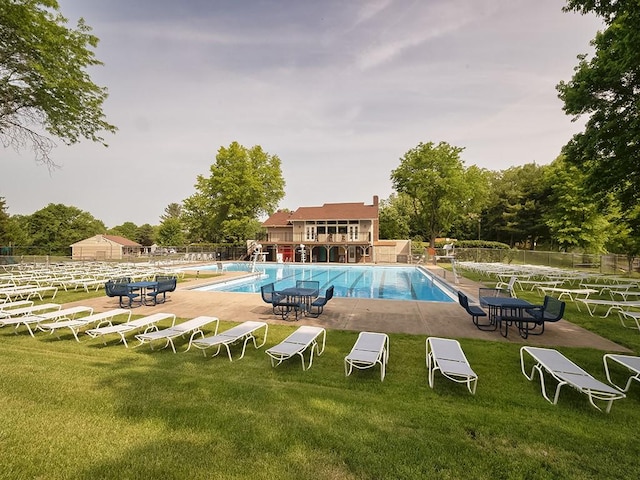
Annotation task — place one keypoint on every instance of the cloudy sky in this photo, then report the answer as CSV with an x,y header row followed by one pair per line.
x,y
338,90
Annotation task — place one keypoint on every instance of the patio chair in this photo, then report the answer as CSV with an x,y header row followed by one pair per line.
x,y
192,327
370,349
317,306
565,372
552,310
148,323
446,355
76,324
631,363
280,304
120,288
303,339
166,284
244,333
476,312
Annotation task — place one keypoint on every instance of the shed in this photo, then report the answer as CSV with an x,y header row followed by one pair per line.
x,y
104,247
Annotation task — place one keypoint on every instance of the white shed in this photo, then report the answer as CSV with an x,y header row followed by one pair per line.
x,y
104,247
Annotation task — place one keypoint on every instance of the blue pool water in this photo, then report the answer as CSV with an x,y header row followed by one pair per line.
x,y
388,283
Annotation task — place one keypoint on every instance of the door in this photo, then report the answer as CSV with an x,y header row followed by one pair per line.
x,y
351,254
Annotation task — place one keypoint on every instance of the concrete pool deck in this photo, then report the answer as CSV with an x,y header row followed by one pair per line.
x,y
361,314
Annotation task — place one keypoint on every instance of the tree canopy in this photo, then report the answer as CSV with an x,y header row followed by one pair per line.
x,y
44,84
434,178
607,89
54,228
244,184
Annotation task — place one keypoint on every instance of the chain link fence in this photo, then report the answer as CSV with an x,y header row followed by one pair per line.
x,y
188,253
606,264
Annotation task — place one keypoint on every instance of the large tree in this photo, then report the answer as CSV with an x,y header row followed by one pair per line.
x,y
514,206
573,218
170,233
173,210
54,228
606,88
395,217
244,184
434,178
128,230
45,89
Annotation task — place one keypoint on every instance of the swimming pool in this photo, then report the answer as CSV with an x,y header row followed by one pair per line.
x,y
382,282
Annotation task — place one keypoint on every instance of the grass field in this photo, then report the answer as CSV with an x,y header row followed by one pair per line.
x,y
84,410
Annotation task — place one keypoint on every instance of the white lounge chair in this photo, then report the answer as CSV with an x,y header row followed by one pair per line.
x,y
370,349
296,344
27,291
39,317
148,323
4,307
76,324
630,362
240,333
32,310
446,355
192,327
635,316
571,293
593,303
565,372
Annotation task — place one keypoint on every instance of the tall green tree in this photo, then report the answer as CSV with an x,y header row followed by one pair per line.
x,y
394,217
146,235
44,81
173,210
433,177
170,233
575,221
244,184
128,230
17,231
606,88
624,233
54,228
516,207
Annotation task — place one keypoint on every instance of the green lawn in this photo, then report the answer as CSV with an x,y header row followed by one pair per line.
x,y
87,410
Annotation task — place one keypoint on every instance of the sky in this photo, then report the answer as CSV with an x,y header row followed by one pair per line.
x,y
338,90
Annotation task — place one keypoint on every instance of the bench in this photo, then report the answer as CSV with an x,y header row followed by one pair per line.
x,y
119,287
166,284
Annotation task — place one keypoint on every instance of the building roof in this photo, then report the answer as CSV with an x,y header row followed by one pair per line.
x,y
278,219
125,242
328,211
336,211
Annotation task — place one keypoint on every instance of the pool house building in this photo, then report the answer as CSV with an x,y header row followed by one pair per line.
x,y
334,232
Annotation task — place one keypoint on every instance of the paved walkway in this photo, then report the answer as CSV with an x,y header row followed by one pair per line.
x,y
358,314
